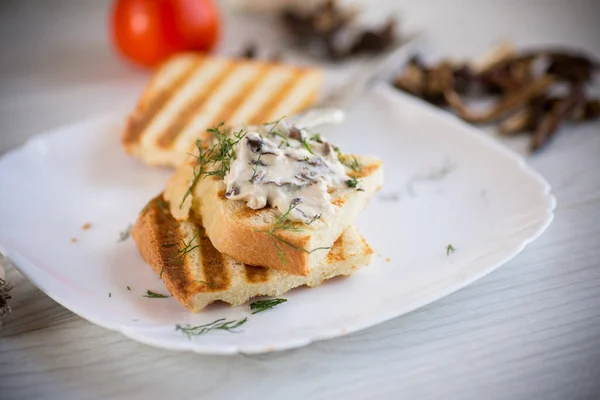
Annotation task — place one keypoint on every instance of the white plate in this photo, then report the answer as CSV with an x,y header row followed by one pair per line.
x,y
446,184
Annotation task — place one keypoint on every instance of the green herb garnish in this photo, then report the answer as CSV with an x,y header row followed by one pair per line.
x,y
316,138
255,168
128,288
218,157
154,295
124,235
109,294
228,326
272,131
307,146
285,138
187,247
282,224
352,182
263,305
351,162
449,250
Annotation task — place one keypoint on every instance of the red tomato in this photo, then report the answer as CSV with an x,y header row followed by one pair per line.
x,y
198,21
149,31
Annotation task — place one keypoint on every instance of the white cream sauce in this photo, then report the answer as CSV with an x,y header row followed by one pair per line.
x,y
282,164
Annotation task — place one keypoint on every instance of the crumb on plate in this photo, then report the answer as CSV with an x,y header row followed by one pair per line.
x,y
86,226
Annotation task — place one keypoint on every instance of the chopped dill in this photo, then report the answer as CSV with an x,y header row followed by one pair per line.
x,y
352,182
282,223
154,295
124,235
449,250
307,146
204,282
351,162
264,305
255,168
316,138
272,131
218,157
187,247
219,324
285,139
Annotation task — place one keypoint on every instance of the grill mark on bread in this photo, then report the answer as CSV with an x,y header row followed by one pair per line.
x,y
185,115
336,253
231,106
140,120
256,274
275,98
169,238
214,267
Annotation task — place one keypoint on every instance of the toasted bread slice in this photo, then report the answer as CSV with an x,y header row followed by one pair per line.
x,y
241,232
192,92
203,275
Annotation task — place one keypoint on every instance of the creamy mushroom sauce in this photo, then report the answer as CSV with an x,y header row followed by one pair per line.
x,y
282,164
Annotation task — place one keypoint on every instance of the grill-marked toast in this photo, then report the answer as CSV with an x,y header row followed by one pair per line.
x,y
239,231
192,92
203,275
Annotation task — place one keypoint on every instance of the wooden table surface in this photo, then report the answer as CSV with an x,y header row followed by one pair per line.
x,y
530,330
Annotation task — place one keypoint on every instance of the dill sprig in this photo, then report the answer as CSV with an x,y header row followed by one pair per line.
x,y
285,138
199,168
283,224
272,131
219,324
352,182
351,162
154,295
124,235
187,247
450,249
263,305
255,168
316,138
307,146
223,151
218,157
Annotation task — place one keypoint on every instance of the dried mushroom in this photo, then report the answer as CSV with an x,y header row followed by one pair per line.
x,y
520,84
330,32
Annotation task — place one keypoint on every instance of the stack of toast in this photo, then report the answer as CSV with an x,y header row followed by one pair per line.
x,y
204,246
